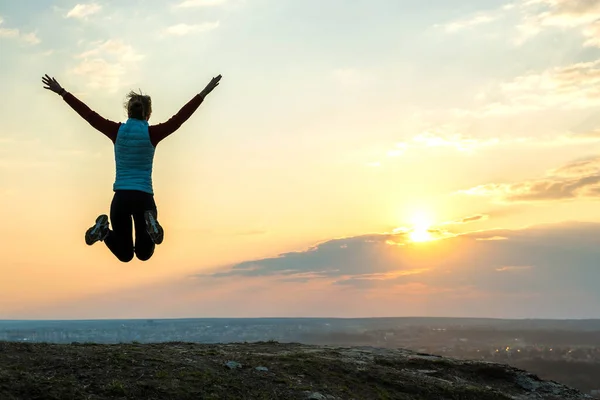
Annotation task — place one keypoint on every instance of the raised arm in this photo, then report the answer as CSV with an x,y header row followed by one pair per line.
x,y
160,131
107,127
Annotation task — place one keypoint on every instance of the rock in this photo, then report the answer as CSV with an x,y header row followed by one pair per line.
x,y
427,371
316,396
527,383
263,369
233,364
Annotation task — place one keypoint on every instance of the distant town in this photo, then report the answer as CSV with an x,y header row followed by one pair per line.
x,y
564,351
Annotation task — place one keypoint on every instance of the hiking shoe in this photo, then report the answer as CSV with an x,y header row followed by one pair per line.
x,y
153,227
98,232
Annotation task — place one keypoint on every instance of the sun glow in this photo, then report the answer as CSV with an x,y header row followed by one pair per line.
x,y
420,231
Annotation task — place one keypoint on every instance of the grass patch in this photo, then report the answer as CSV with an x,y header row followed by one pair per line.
x,y
184,371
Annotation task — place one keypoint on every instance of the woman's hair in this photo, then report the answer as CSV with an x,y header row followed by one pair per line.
x,y
138,105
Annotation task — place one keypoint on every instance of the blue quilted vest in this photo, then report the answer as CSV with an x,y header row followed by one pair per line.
x,y
134,156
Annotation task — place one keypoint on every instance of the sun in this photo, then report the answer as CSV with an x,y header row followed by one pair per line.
x,y
420,235
420,231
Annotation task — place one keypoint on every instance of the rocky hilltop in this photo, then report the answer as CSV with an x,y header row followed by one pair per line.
x,y
266,370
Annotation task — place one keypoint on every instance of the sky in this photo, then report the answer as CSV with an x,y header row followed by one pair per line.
x,y
360,158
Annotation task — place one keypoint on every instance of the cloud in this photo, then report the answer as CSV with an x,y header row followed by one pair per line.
x,y
371,257
540,190
535,16
333,258
30,38
545,257
592,33
477,19
185,29
360,276
200,3
83,11
448,138
378,280
567,87
456,141
514,268
7,32
467,220
473,21
117,47
584,167
583,15
106,65
579,179
439,138
569,139
492,238
14,33
473,219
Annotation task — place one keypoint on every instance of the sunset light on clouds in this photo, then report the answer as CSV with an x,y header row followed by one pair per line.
x,y
359,158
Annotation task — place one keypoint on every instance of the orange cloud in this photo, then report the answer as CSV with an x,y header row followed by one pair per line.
x,y
579,179
514,268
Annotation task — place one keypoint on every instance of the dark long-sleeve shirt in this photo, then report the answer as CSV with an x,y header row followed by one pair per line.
x,y
110,128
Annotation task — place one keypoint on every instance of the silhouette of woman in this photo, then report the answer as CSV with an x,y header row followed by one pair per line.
x,y
134,145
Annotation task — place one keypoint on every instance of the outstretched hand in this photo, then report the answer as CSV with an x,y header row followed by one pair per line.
x,y
211,85
51,84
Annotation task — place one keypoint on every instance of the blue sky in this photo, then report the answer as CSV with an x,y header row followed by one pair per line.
x,y
337,119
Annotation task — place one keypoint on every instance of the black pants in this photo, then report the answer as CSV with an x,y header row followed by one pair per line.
x,y
128,204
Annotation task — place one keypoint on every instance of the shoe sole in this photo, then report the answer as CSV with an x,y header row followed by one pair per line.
x,y
94,234
153,228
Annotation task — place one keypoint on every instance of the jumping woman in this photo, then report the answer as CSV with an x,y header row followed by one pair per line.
x,y
134,145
